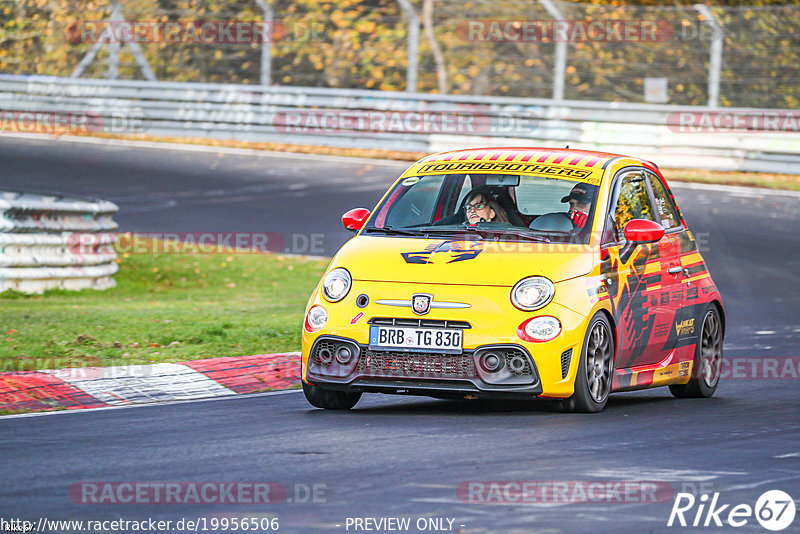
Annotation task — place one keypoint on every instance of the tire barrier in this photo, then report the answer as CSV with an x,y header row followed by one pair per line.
x,y
52,241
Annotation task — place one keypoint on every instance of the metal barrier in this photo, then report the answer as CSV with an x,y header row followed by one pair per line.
x,y
672,136
52,241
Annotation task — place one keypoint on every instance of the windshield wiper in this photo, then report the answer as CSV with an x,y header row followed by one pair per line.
x,y
517,233
484,232
440,230
393,231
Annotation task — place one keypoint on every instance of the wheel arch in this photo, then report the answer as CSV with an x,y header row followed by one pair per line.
x,y
721,312
613,329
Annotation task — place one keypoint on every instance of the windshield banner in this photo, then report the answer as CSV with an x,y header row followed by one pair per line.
x,y
568,172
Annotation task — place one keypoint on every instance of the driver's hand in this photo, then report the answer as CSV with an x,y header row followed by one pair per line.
x,y
578,218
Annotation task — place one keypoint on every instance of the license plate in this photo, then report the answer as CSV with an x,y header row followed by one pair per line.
x,y
408,339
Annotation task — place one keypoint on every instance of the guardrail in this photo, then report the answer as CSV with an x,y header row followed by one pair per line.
x,y
673,136
53,241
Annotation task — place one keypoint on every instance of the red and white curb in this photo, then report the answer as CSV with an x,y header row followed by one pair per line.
x,y
96,387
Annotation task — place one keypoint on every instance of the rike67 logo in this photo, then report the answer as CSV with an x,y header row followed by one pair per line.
x,y
774,510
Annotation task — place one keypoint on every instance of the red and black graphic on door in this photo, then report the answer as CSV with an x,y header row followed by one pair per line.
x,y
627,285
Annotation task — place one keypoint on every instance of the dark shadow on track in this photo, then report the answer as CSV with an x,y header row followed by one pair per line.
x,y
426,406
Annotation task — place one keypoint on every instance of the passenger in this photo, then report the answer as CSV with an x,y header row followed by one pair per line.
x,y
580,202
480,207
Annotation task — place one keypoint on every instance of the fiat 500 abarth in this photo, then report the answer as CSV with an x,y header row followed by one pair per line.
x,y
516,273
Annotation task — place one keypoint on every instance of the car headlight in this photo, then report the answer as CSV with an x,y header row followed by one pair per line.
x,y
532,293
336,284
316,318
539,329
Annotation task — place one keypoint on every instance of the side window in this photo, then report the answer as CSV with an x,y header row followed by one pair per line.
x,y
666,213
633,203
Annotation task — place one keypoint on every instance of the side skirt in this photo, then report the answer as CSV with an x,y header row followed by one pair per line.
x,y
674,369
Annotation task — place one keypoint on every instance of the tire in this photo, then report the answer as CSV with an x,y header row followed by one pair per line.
x,y
707,361
595,368
328,399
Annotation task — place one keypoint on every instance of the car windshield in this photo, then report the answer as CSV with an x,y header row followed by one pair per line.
x,y
513,207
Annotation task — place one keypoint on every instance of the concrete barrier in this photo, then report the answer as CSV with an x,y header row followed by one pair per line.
x,y
741,139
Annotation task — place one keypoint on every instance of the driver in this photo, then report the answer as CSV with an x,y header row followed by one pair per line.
x,y
480,207
580,202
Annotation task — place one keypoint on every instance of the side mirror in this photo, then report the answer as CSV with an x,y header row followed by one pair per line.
x,y
643,231
354,219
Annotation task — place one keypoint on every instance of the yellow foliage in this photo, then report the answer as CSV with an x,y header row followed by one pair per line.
x,y
362,43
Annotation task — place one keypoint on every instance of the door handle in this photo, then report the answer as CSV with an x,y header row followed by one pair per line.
x,y
674,270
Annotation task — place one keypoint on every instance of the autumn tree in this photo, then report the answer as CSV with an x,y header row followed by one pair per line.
x,y
362,44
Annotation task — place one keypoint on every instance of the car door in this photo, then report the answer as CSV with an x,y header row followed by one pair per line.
x,y
634,275
672,298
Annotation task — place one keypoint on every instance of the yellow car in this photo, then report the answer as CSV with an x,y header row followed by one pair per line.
x,y
516,273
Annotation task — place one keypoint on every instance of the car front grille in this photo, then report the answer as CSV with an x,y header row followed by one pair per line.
x,y
387,364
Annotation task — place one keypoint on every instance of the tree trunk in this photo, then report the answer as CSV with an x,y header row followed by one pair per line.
x,y
438,56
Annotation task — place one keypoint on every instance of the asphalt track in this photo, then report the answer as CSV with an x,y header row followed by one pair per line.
x,y
406,457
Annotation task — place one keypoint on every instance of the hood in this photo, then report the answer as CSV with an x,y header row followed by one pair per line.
x,y
455,261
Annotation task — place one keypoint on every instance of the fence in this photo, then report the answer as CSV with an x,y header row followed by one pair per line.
x,y
51,241
733,55
672,136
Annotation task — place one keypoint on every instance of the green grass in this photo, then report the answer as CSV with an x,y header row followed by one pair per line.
x,y
165,308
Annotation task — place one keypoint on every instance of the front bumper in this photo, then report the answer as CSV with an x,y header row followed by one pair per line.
x,y
490,320
421,373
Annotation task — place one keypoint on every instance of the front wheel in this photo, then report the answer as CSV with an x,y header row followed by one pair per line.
x,y
329,400
707,361
595,368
